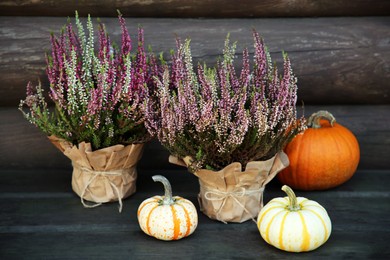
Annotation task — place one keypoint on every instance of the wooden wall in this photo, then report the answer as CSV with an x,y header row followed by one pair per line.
x,y
198,8
340,52
338,60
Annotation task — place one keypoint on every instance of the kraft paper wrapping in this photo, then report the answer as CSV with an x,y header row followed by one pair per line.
x,y
233,195
104,175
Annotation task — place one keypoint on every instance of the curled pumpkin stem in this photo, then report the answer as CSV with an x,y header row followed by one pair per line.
x,y
314,119
167,187
293,206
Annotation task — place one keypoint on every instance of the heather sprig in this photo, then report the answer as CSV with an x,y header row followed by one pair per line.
x,y
98,92
218,117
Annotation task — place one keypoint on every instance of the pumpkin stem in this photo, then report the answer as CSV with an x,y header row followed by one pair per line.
x,y
294,206
167,187
314,119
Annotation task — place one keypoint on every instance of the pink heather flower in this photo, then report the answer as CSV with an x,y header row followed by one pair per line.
x,y
141,68
104,43
260,70
207,116
30,89
72,38
245,71
126,40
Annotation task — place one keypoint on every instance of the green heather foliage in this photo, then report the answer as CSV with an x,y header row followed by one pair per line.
x,y
216,117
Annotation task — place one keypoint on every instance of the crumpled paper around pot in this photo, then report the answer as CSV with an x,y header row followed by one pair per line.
x,y
233,195
104,175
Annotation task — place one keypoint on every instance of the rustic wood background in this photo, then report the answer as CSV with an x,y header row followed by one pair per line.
x,y
337,60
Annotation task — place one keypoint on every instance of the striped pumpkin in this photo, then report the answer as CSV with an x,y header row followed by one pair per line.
x,y
166,217
294,224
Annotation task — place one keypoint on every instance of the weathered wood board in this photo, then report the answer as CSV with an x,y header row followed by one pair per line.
x,y
196,8
42,218
336,60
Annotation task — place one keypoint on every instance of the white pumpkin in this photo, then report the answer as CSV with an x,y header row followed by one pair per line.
x,y
294,224
166,217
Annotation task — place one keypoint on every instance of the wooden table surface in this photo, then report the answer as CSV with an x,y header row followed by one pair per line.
x,y
41,218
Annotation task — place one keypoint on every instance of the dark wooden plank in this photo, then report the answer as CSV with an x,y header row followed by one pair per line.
x,y
24,146
227,243
55,183
336,60
43,226
16,184
193,8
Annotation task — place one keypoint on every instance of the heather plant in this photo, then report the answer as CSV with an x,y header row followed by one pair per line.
x,y
98,94
215,117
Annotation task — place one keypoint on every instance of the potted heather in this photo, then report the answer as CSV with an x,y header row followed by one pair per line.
x,y
229,130
98,119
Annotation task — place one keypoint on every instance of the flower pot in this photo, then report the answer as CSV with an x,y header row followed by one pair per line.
x,y
233,195
104,175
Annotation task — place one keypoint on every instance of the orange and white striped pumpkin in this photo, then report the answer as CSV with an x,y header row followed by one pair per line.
x,y
294,224
166,217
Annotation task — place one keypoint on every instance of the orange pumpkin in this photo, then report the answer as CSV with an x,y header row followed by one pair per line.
x,y
324,156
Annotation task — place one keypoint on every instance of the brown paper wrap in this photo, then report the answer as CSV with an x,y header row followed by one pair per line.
x,y
104,175
233,195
